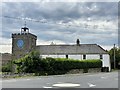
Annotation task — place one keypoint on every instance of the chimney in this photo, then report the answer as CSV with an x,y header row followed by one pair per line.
x,y
78,42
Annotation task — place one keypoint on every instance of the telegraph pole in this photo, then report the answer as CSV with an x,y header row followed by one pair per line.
x,y
114,57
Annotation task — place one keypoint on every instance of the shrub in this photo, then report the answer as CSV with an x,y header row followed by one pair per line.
x,y
7,67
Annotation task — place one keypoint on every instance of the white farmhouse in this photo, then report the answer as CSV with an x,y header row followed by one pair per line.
x,y
77,51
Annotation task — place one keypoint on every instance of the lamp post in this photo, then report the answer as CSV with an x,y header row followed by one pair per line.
x,y
114,57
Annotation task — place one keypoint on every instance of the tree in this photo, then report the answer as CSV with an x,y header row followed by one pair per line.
x,y
117,57
31,63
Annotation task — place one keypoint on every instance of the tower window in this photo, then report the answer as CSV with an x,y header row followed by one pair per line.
x,y
67,56
84,56
101,56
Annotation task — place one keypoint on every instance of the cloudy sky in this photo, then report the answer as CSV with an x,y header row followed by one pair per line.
x,y
61,22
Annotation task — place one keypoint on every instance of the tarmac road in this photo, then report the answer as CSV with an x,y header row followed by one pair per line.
x,y
96,80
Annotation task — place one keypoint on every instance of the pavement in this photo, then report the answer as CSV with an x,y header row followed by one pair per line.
x,y
96,80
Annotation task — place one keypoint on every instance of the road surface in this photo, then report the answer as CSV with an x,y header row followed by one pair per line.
x,y
97,80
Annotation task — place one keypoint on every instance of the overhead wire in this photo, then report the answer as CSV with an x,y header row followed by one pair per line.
x,y
43,21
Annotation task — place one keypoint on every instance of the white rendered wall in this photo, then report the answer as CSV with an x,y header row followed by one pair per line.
x,y
93,56
61,56
54,56
106,61
76,57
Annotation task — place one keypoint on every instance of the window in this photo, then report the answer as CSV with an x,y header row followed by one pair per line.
x,y
84,56
101,56
67,56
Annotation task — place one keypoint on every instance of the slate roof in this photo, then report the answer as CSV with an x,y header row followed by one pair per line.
x,y
70,49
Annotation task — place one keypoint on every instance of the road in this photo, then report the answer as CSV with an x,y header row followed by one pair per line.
x,y
98,80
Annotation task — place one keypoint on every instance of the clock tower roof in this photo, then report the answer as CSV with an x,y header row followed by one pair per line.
x,y
24,30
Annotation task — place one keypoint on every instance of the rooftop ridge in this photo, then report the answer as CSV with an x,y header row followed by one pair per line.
x,y
65,44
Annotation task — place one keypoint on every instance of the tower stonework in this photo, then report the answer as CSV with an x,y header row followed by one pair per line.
x,y
22,43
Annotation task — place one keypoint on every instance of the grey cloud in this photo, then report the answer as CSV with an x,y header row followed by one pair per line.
x,y
64,12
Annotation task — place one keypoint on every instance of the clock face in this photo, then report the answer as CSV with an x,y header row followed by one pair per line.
x,y
20,43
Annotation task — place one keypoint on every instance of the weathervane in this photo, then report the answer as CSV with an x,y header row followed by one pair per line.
x,y
25,23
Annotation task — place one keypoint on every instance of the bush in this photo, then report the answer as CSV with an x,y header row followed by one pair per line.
x,y
7,67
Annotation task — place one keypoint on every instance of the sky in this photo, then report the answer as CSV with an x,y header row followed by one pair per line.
x,y
61,22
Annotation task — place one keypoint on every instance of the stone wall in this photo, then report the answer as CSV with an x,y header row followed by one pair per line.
x,y
77,71
5,58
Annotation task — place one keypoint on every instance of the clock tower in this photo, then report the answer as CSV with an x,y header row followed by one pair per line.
x,y
23,43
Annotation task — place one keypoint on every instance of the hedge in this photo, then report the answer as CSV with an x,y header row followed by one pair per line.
x,y
50,66
64,64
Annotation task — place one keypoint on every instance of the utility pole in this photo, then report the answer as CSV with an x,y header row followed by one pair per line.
x,y
114,57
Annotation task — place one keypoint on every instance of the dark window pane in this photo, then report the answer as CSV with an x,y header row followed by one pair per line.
x,y
66,56
84,56
101,56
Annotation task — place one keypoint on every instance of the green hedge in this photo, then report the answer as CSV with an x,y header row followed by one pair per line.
x,y
64,64
50,66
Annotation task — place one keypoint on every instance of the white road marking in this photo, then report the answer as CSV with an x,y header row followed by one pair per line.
x,y
27,79
91,85
103,77
66,85
46,87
